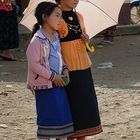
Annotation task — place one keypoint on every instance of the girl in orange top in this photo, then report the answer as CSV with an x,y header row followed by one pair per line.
x,y
81,92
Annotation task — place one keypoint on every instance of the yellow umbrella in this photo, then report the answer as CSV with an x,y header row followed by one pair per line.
x,y
98,14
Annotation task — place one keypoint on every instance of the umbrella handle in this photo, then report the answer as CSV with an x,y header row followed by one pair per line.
x,y
89,47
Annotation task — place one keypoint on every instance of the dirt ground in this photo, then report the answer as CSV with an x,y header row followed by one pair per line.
x,y
117,83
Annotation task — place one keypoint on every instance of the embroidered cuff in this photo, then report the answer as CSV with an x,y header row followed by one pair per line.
x,y
52,76
65,67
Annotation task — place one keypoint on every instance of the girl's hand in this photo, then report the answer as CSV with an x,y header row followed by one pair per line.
x,y
85,37
58,81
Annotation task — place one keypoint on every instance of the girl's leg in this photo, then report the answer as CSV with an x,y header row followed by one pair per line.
x,y
45,139
81,138
69,138
65,138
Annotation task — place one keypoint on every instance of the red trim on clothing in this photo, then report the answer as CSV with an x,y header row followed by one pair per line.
x,y
86,132
6,7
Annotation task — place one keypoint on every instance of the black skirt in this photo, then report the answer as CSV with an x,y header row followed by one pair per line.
x,y
83,104
9,38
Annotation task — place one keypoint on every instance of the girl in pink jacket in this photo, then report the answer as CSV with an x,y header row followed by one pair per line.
x,y
46,72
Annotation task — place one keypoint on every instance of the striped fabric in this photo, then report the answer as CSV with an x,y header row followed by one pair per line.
x,y
55,131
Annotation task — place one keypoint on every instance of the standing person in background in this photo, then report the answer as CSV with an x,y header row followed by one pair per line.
x,y
9,38
80,90
109,35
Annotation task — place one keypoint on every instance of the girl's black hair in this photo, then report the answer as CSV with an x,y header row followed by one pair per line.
x,y
45,8
58,1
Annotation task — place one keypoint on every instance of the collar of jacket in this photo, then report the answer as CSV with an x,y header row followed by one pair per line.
x,y
40,34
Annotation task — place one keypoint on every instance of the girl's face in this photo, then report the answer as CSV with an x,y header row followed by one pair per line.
x,y
54,19
71,4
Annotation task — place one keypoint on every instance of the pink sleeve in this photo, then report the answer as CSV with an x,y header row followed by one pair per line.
x,y
34,61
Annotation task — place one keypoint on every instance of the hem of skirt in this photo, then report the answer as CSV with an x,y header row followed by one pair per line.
x,y
87,132
57,137
55,131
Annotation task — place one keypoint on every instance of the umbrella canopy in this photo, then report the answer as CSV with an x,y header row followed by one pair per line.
x,y
98,14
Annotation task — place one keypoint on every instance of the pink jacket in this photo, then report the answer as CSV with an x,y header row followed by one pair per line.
x,y
39,74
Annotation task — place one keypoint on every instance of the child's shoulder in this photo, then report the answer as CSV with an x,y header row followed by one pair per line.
x,y
79,15
34,40
38,38
39,35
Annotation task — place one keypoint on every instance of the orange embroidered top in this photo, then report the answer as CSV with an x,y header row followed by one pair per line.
x,y
73,47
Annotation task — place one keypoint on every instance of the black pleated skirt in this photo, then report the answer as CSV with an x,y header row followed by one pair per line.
x,y
9,38
83,104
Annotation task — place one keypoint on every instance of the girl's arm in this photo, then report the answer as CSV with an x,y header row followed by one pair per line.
x,y
34,62
84,35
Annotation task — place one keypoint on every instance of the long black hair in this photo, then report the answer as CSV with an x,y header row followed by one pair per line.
x,y
45,8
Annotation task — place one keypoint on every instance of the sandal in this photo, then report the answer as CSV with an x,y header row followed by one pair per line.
x,y
8,58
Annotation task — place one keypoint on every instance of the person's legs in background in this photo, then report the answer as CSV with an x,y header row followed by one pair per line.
x,y
108,37
9,38
110,34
